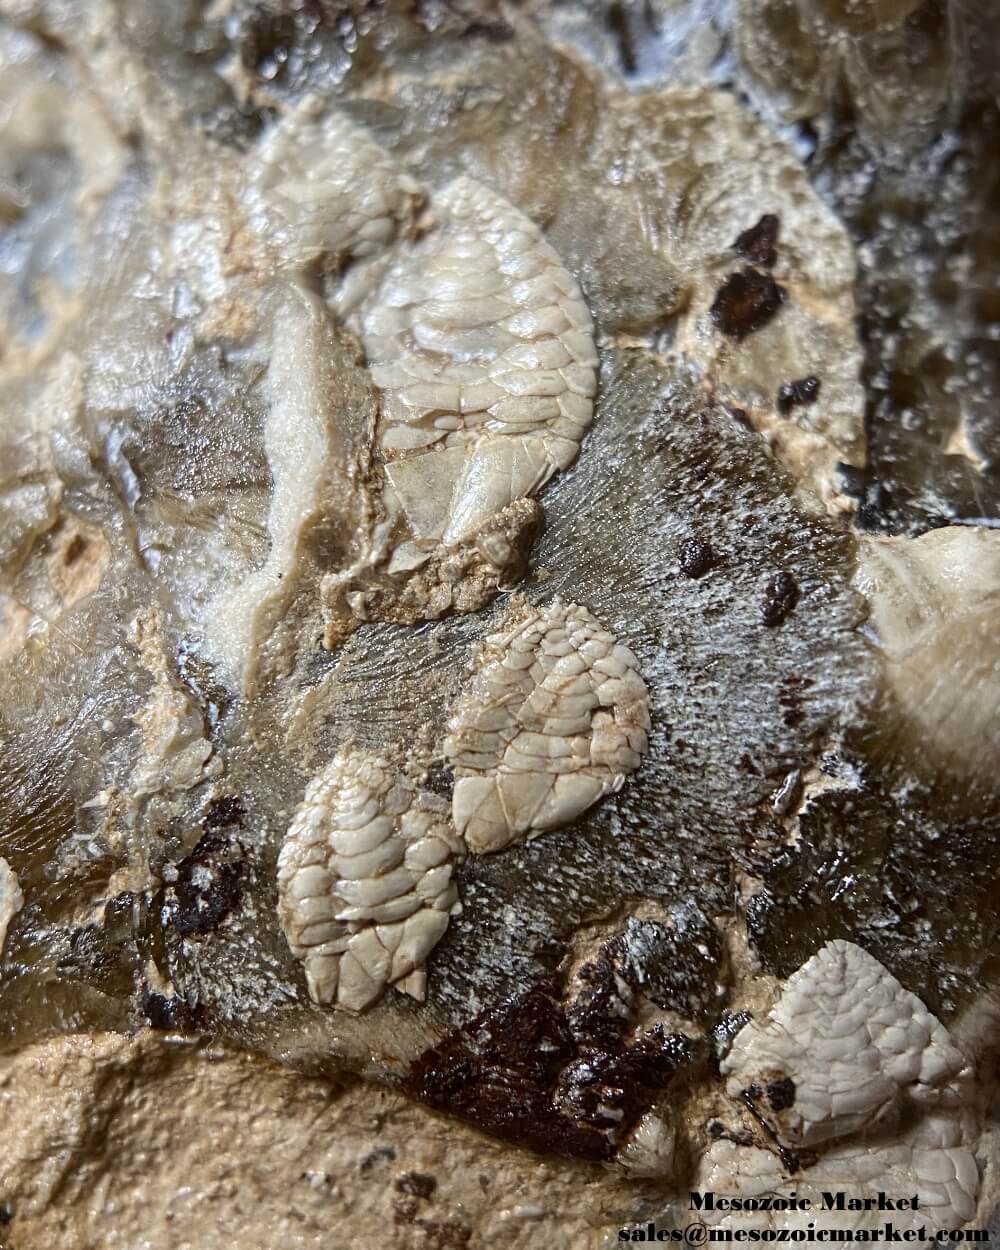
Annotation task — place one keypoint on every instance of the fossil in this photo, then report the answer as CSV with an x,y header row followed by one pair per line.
x,y
854,1067
934,603
483,347
324,191
555,717
933,1160
365,882
11,899
851,1040
306,312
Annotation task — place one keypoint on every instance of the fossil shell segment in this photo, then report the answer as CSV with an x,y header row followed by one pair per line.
x,y
324,188
365,884
933,1160
851,1040
484,349
11,899
854,1065
555,717
934,603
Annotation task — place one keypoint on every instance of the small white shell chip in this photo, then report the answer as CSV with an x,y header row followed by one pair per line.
x,y
555,717
852,1041
483,347
365,885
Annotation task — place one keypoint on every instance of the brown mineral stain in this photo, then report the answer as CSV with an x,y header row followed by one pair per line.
x,y
417,1184
781,594
793,394
746,302
695,557
757,244
77,561
559,1077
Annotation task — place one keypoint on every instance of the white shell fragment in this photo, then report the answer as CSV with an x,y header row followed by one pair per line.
x,y
11,899
555,717
931,1161
365,885
852,1040
650,1149
483,347
853,1066
324,188
934,602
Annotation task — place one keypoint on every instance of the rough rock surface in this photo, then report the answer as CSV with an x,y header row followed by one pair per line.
x,y
231,312
112,1150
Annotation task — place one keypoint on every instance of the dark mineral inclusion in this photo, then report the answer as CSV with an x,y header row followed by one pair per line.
x,y
746,302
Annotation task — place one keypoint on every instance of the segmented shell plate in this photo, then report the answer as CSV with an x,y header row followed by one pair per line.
x,y
850,1038
365,885
555,717
325,188
483,346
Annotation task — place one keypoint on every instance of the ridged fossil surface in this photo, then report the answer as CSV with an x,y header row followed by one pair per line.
x,y
555,717
365,884
426,429
483,347
850,1064
323,191
851,1040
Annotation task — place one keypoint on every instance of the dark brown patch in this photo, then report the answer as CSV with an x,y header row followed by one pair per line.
x,y
794,394
208,885
739,415
696,557
599,1006
620,27
781,594
790,1160
781,1093
440,780
74,549
558,1079
757,244
746,302
170,1015
227,810
417,1184
612,1090
494,32
381,1154
267,43
499,1072
791,696
445,1234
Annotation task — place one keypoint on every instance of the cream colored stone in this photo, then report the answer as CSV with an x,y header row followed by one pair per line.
x,y
852,1041
469,353
118,1142
11,899
934,605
